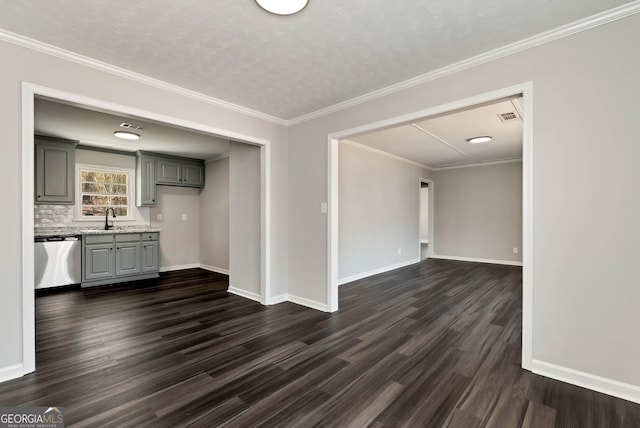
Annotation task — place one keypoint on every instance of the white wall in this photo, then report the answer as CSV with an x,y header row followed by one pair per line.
x,y
214,216
20,64
179,238
244,220
478,212
378,211
584,119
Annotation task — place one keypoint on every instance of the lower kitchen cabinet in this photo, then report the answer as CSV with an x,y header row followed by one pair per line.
x,y
150,256
113,258
128,258
98,262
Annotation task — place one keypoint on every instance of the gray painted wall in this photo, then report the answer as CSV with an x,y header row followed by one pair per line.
x,y
478,212
244,217
214,216
378,211
585,227
179,239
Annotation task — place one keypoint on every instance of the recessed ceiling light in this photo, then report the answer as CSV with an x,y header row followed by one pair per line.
x,y
126,135
482,139
282,7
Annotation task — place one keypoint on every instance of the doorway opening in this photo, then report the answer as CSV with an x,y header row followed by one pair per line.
x,y
525,91
426,236
29,94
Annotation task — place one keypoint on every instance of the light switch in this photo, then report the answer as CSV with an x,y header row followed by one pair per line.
x,y
323,207
159,216
184,216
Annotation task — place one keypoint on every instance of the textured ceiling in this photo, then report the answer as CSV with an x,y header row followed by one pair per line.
x,y
334,50
441,141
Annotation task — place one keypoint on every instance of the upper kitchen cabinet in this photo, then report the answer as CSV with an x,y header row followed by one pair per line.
x,y
180,172
55,170
145,180
168,171
154,169
193,174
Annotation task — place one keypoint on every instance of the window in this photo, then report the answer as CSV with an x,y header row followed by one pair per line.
x,y
100,188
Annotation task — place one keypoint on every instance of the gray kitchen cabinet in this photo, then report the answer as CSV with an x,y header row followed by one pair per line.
x,y
55,170
180,172
169,171
155,169
192,174
150,257
119,257
150,253
145,180
128,260
98,262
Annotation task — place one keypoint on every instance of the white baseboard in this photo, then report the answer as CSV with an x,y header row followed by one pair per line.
x,y
215,269
179,267
384,269
308,303
11,372
278,299
281,299
476,260
244,293
585,380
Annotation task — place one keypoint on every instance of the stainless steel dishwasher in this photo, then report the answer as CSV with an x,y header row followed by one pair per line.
x,y
58,260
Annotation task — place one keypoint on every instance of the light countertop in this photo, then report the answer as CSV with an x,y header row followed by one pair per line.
x,y
40,232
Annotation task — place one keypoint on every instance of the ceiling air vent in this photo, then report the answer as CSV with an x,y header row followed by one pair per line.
x,y
131,126
508,117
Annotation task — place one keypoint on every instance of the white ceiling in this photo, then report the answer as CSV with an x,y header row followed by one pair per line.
x,y
441,141
96,129
333,51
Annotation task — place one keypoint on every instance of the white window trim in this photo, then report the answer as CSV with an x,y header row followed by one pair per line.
x,y
130,185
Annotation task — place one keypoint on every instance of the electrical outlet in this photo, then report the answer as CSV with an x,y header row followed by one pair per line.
x,y
515,250
159,216
184,216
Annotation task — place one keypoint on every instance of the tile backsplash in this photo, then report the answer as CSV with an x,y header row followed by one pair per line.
x,y
53,215
64,216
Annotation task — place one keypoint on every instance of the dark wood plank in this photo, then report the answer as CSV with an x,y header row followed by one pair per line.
x,y
433,344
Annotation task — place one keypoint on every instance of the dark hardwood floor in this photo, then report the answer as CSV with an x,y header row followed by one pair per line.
x,y
434,344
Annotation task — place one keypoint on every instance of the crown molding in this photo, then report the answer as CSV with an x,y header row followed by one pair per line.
x,y
387,154
531,42
492,55
55,51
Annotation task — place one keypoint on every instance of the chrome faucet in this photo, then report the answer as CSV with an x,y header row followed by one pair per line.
x,y
108,226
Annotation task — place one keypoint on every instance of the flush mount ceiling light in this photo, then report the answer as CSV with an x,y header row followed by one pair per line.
x,y
482,139
126,135
282,7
